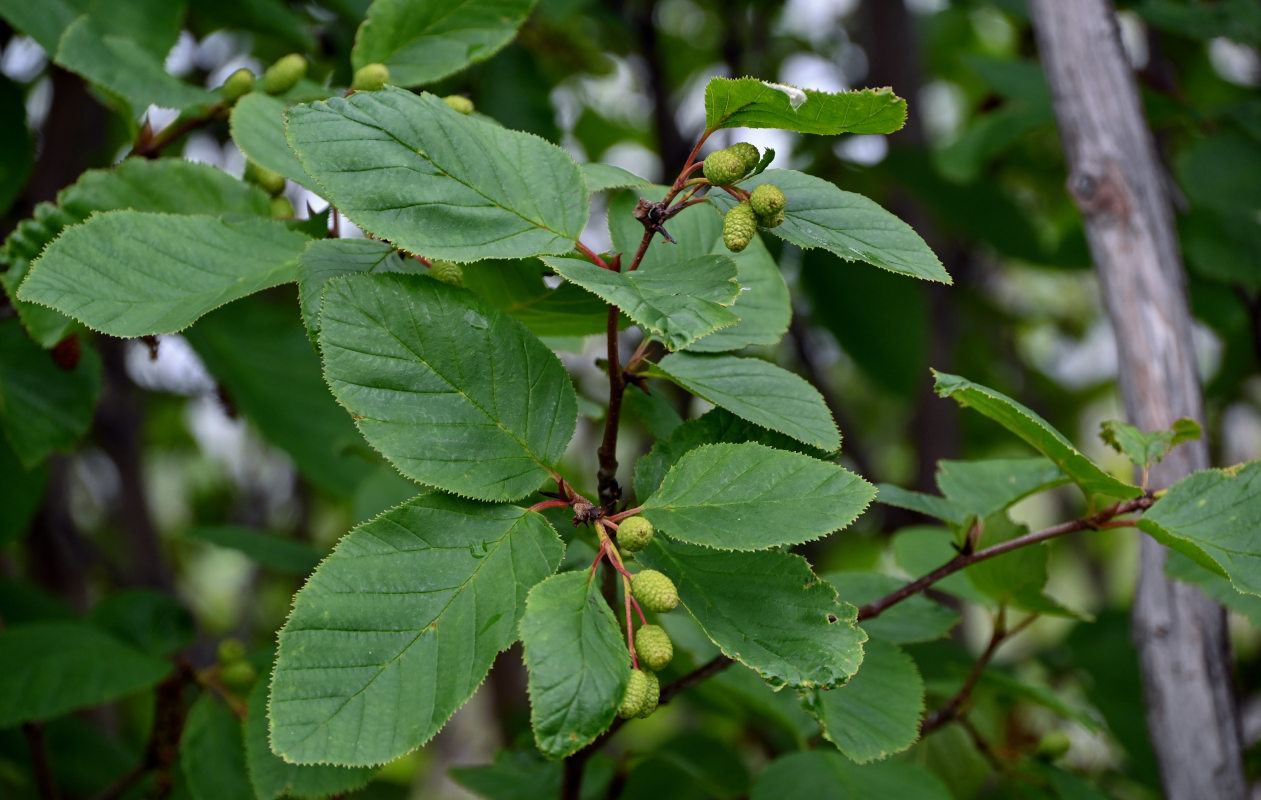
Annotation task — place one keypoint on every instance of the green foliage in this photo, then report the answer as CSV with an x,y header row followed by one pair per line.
x,y
484,344
399,626
579,666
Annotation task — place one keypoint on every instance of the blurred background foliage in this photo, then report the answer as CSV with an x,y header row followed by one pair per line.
x,y
217,467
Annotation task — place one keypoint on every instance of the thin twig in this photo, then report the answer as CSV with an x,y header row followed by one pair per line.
x,y
949,710
610,491
38,745
964,560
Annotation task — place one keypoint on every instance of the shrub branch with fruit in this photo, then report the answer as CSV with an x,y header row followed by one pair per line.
x,y
429,341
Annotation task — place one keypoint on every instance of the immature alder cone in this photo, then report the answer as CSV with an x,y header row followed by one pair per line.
x,y
271,182
370,78
281,208
723,168
634,534
284,74
738,227
459,102
747,153
654,591
447,272
652,697
767,202
238,84
653,647
636,693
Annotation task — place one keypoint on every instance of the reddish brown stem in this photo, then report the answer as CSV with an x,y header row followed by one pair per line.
x,y
963,560
591,254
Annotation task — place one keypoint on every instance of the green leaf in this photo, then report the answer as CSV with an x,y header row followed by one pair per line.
x,y
117,64
21,491
1015,578
1214,518
677,303
409,169
212,754
258,353
258,128
697,228
324,259
848,225
751,497
716,426
273,777
164,184
131,273
603,177
454,393
920,549
1180,567
766,610
277,553
44,21
517,287
751,103
878,712
929,505
400,625
50,668
42,406
1035,431
915,619
422,41
763,307
578,662
822,775
757,390
985,488
1146,449
689,766
151,621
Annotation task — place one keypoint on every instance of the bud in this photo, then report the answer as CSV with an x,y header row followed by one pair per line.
x,y
653,647
723,168
237,85
459,102
654,591
748,155
447,271
738,227
634,533
635,695
370,78
283,75
271,182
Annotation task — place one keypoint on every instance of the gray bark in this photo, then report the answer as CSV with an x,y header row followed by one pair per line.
x,y
1118,183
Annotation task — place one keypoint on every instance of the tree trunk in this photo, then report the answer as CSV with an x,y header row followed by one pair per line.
x,y
1118,183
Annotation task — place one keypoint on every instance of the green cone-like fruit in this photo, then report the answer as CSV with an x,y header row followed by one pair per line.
x,y
271,182
459,102
772,222
284,74
738,227
634,534
370,78
231,650
238,674
652,696
653,647
768,202
747,153
447,272
654,591
238,84
281,208
723,168
1054,745
635,695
